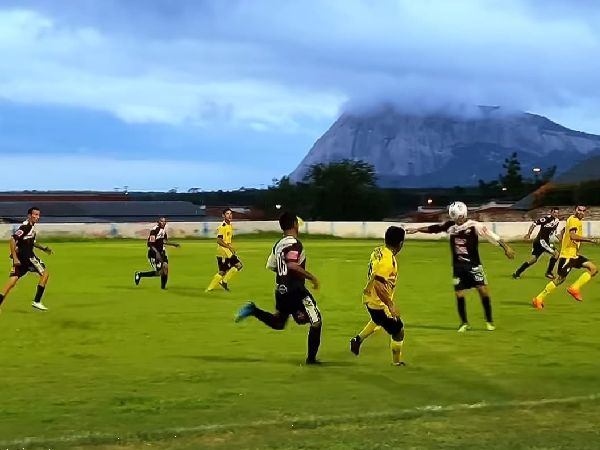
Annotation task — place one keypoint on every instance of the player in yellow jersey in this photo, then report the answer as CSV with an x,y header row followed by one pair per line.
x,y
378,295
228,262
572,237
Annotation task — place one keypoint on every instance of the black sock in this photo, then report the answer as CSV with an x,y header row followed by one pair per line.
x,y
314,342
551,265
39,293
462,309
269,319
522,269
163,281
1,298
487,308
148,274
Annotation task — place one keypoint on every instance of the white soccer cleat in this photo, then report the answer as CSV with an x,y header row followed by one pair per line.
x,y
39,306
464,328
490,326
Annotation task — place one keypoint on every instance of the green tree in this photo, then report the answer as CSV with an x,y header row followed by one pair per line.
x,y
512,179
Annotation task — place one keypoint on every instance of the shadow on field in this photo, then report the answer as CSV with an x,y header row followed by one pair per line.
x,y
430,327
245,359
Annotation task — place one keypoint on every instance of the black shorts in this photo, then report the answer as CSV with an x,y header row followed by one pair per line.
x,y
225,264
300,304
566,265
33,264
391,325
468,277
155,263
540,247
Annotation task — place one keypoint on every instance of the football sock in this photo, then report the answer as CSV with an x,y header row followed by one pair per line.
x,y
522,269
39,293
397,347
551,265
582,280
462,309
148,274
314,342
230,274
367,331
215,282
268,319
1,298
163,281
487,308
549,288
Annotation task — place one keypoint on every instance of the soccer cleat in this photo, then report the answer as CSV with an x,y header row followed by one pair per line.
x,y
550,276
245,311
224,285
537,303
515,276
400,364
355,345
312,362
137,278
464,327
575,293
39,306
490,326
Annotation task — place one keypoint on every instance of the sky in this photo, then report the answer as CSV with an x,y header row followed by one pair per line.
x,y
220,94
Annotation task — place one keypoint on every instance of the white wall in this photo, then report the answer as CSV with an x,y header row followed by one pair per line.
x,y
508,230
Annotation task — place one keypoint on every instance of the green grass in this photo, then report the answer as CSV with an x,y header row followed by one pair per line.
x,y
115,366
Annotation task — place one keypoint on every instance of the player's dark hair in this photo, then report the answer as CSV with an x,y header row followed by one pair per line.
x,y
32,209
394,236
554,208
287,221
226,210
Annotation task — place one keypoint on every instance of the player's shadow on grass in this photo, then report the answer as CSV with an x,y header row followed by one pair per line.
x,y
246,359
430,327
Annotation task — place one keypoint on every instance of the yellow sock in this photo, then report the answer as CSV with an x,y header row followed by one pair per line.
x,y
549,288
583,279
229,275
397,351
215,282
368,330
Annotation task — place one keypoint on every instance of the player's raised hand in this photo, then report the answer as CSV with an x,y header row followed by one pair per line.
x,y
48,251
509,252
315,283
412,231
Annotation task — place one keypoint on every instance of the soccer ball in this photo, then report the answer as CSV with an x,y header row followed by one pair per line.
x,y
457,210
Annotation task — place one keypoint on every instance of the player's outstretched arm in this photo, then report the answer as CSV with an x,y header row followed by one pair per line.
x,y
384,296
47,250
531,228
577,238
494,239
431,229
13,252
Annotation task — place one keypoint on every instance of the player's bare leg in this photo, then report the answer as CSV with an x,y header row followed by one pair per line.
x,y
551,265
487,307
229,275
37,301
397,345
461,306
164,276
10,284
590,272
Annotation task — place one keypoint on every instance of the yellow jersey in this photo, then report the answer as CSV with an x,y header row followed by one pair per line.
x,y
382,267
569,249
225,232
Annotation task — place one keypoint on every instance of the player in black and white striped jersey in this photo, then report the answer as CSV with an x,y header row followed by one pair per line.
x,y
22,245
542,243
292,298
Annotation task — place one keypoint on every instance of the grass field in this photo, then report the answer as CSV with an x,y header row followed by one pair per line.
x,y
112,365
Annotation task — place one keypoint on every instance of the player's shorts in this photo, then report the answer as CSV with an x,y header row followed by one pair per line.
x,y
391,325
565,265
542,246
155,263
300,304
33,264
469,277
225,264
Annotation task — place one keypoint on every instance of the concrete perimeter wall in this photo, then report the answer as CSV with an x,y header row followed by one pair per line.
x,y
507,230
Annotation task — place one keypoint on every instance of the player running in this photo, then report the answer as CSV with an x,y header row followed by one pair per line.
x,y
542,244
228,262
467,268
24,260
288,261
569,259
157,254
378,295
